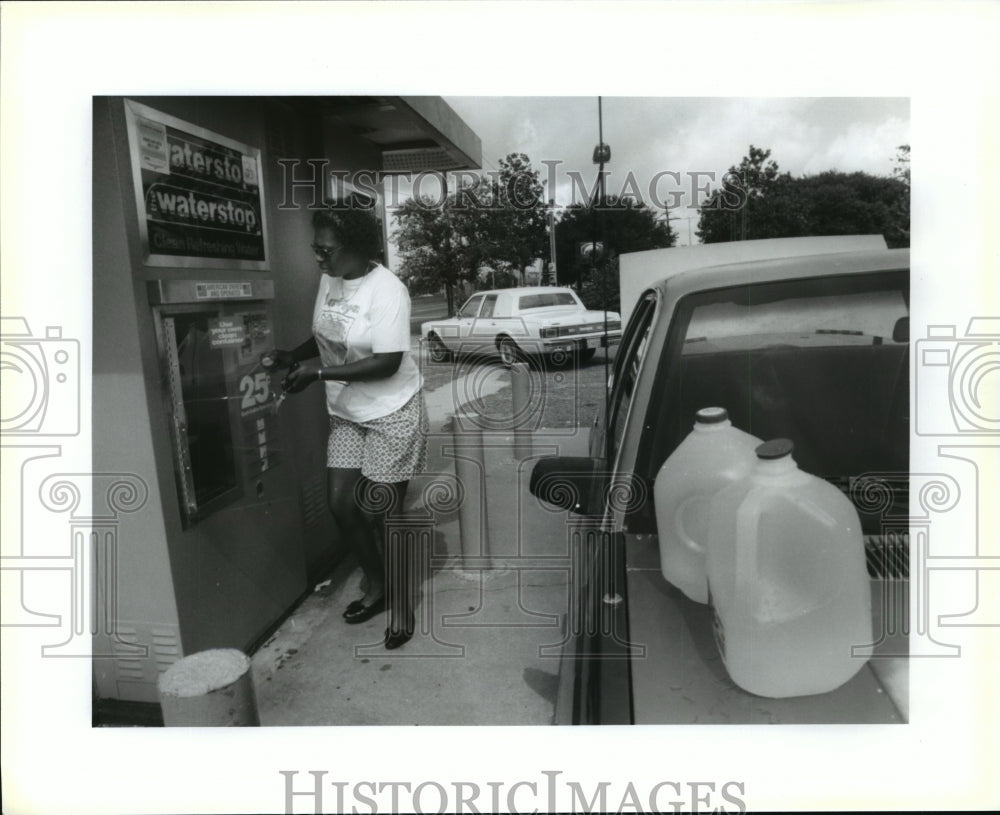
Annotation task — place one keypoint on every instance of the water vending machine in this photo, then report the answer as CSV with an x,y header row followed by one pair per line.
x,y
221,404
236,566
225,561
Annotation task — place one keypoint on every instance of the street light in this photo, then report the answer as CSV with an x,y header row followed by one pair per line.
x,y
552,277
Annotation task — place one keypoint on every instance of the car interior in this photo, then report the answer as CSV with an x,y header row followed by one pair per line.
x,y
844,403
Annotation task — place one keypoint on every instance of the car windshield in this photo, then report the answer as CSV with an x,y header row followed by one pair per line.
x,y
471,308
546,300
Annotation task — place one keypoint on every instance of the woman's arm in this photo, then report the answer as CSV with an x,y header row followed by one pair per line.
x,y
277,359
308,350
377,366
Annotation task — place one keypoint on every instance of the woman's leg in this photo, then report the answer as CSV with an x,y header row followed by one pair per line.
x,y
399,571
395,448
380,501
342,488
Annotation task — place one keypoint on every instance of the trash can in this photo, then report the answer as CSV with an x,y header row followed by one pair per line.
x,y
209,689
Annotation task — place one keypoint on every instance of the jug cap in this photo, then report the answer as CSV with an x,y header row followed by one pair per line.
x,y
711,415
775,448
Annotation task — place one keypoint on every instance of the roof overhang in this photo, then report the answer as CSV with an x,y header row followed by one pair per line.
x,y
413,134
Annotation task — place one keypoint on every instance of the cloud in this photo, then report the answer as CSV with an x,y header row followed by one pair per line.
x,y
526,135
689,136
870,148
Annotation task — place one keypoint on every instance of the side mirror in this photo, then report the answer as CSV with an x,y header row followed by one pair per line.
x,y
575,483
901,330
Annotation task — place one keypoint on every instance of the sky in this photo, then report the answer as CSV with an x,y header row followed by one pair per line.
x,y
686,137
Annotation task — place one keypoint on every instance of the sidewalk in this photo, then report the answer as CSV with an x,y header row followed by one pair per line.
x,y
488,642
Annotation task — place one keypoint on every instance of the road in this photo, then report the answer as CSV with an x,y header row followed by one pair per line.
x,y
562,397
426,307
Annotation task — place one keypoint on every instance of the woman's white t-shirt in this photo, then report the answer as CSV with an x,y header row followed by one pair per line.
x,y
354,319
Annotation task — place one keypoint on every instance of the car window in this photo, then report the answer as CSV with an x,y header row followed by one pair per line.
x,y
859,318
489,305
546,300
471,306
627,365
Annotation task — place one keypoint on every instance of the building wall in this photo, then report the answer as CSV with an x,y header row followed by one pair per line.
x,y
122,440
227,579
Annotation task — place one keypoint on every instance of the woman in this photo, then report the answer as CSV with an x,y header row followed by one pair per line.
x,y
361,336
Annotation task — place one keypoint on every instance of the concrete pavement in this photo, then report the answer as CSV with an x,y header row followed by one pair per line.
x,y
489,633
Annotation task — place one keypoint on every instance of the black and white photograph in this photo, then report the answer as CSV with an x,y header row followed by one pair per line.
x,y
516,426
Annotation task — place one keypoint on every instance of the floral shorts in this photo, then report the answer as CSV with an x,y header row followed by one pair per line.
x,y
388,449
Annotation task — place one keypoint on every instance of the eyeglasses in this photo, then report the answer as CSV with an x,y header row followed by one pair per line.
x,y
325,252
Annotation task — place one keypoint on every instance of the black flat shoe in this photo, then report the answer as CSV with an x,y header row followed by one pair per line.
x,y
354,607
364,612
393,639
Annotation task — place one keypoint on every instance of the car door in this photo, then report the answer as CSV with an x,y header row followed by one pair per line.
x,y
601,690
485,326
466,322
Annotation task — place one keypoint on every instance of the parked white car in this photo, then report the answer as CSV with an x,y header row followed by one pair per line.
x,y
516,323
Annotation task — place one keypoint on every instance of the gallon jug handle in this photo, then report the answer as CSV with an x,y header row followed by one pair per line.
x,y
682,534
816,513
747,533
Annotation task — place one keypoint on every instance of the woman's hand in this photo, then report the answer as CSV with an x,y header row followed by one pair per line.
x,y
300,376
276,360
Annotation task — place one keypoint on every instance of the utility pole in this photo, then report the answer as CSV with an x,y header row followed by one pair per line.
x,y
449,288
602,154
552,277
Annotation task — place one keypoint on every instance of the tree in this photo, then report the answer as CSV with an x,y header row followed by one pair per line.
x,y
495,221
515,232
622,225
756,201
438,245
728,213
901,210
902,168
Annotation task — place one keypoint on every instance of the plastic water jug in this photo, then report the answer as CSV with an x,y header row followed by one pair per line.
x,y
713,455
787,580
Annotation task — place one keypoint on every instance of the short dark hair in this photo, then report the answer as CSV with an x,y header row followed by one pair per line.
x,y
356,228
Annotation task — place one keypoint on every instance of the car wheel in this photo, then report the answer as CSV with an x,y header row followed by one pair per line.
x,y
509,352
438,350
588,354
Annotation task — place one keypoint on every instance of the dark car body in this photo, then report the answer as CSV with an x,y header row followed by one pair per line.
x,y
812,348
